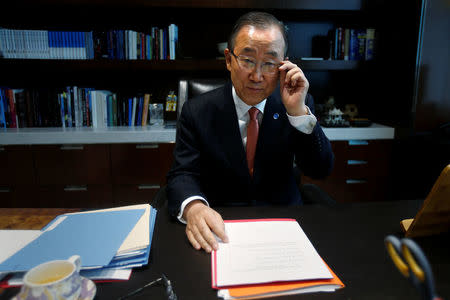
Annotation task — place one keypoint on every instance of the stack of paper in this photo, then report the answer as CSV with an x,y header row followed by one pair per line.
x,y
110,242
268,257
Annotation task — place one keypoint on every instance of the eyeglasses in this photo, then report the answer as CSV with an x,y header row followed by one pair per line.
x,y
249,64
166,283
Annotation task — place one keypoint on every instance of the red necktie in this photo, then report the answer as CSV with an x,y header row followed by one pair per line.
x,y
252,138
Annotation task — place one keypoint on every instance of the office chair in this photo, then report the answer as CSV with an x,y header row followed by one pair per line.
x,y
191,87
188,88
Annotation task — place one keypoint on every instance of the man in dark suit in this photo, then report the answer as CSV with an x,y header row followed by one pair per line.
x,y
228,152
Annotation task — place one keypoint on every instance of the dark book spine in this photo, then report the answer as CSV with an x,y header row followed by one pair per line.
x,y
21,108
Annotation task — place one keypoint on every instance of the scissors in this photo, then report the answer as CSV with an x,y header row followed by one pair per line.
x,y
413,264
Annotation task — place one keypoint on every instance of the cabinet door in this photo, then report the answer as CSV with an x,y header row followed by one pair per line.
x,y
360,173
128,194
79,196
16,166
18,195
72,164
145,164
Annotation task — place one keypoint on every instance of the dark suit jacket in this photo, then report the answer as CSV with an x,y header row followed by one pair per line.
x,y
210,159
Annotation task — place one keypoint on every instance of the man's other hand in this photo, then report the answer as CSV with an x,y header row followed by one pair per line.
x,y
202,222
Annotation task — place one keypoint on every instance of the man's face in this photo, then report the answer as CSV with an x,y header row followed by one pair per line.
x,y
263,46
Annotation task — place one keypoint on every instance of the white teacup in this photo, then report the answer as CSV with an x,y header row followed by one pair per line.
x,y
56,279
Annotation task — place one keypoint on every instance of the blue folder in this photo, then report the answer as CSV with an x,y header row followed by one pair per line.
x,y
140,258
96,237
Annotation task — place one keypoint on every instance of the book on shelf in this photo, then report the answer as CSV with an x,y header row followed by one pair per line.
x,y
370,44
352,43
133,112
2,113
130,111
139,111
71,107
145,109
158,43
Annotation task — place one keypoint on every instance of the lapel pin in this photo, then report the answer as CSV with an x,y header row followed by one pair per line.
x,y
275,116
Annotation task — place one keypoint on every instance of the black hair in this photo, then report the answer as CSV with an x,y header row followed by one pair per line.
x,y
260,20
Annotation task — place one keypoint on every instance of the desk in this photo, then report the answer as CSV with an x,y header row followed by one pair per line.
x,y
348,237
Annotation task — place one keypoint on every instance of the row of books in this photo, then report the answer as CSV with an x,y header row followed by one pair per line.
x,y
157,44
72,107
352,44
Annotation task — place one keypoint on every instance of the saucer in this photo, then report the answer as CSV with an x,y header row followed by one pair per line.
x,y
88,290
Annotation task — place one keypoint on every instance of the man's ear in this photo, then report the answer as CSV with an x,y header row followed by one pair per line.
x,y
227,54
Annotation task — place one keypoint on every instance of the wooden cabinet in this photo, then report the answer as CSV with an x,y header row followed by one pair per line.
x,y
361,171
102,175
17,176
84,196
139,170
16,165
72,164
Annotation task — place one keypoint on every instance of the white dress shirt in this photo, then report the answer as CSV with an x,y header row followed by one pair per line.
x,y
303,123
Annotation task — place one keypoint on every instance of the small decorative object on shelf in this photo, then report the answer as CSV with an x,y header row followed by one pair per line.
x,y
335,118
332,116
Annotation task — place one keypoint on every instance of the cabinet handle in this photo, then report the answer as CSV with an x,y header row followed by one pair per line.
x,y
148,186
355,181
72,147
356,162
75,188
358,143
5,190
147,146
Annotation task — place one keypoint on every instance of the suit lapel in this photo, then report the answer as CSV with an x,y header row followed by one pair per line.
x,y
269,131
230,136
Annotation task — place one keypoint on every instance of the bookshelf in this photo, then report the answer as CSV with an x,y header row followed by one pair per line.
x,y
348,81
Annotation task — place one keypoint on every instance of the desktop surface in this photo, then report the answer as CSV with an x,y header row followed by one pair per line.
x,y
348,237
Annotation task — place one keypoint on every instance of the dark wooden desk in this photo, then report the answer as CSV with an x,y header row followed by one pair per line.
x,y
349,238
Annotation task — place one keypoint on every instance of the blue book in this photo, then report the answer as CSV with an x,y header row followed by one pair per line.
x,y
139,118
2,112
130,110
109,110
63,115
51,44
353,45
70,42
148,46
59,44
96,237
361,44
165,38
65,44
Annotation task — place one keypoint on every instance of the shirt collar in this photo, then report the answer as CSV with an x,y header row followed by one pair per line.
x,y
242,107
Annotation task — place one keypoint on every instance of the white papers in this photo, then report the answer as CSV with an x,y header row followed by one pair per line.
x,y
17,239
262,251
225,294
105,274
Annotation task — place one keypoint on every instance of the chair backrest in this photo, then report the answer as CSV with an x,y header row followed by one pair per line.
x,y
188,88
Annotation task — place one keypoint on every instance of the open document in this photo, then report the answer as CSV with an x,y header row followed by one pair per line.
x,y
266,257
